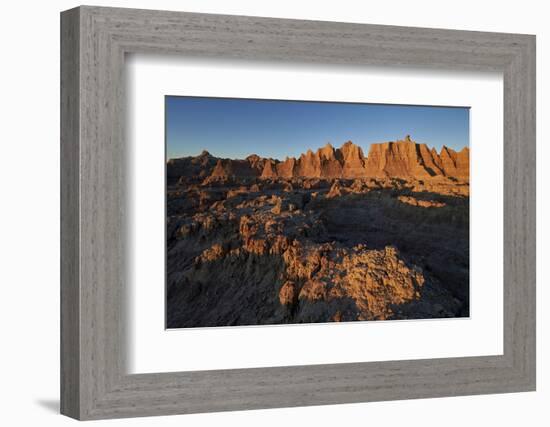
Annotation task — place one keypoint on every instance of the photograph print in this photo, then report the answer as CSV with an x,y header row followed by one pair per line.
x,y
296,212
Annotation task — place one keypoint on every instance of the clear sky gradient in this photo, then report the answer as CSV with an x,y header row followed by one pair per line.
x,y
235,128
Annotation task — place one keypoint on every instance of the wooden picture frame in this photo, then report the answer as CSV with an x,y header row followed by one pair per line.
x,y
94,382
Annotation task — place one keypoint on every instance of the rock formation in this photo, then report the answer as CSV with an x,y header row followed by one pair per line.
x,y
353,161
200,166
398,159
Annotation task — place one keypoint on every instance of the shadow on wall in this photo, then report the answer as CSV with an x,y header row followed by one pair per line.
x,y
51,405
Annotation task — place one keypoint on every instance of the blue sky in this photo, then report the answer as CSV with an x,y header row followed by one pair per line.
x,y
235,128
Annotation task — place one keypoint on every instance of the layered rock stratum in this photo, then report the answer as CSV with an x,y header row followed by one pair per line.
x,y
332,235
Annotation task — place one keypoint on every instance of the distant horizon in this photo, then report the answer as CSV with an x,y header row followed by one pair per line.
x,y
235,128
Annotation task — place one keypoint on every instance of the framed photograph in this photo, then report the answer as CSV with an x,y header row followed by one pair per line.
x,y
330,235
262,213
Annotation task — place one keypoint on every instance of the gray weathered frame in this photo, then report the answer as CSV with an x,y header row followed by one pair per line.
x,y
94,41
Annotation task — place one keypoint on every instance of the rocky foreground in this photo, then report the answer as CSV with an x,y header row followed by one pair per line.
x,y
340,237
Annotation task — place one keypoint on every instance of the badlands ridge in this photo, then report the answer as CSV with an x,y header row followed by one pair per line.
x,y
400,159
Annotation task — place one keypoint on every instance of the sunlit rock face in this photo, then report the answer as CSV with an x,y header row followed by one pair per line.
x,y
353,160
330,236
395,159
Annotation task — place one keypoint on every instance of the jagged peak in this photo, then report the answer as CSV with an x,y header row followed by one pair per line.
x,y
268,170
290,159
351,150
405,141
349,146
327,151
205,153
449,150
